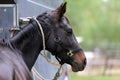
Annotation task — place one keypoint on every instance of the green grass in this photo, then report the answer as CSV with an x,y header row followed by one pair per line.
x,y
77,77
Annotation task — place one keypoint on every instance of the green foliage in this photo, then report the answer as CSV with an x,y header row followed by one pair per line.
x,y
97,21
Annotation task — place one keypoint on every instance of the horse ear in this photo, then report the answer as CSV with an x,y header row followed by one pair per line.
x,y
61,10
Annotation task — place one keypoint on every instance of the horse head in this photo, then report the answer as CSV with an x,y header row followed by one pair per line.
x,y
62,42
59,40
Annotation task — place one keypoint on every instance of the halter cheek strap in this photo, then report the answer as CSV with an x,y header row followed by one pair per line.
x,y
70,53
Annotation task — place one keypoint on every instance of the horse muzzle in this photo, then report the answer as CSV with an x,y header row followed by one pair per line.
x,y
79,62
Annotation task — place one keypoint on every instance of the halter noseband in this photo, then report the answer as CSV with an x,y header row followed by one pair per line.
x,y
58,41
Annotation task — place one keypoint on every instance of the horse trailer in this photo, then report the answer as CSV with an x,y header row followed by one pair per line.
x,y
14,14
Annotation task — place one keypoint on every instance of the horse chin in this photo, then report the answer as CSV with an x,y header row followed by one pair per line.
x,y
76,67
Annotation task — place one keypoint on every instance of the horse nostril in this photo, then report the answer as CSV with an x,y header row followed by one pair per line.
x,y
85,61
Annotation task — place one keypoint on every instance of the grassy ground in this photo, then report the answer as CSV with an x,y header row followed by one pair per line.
x,y
87,77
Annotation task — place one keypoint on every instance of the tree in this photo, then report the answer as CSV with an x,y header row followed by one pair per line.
x,y
97,21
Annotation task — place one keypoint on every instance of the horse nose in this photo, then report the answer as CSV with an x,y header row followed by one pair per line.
x,y
85,61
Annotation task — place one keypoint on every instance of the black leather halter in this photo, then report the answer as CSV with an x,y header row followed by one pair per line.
x,y
58,42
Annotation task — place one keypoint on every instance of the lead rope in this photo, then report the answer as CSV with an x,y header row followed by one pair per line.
x,y
43,36
57,75
34,71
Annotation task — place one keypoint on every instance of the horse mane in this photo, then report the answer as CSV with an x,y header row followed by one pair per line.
x,y
45,19
27,31
5,44
12,57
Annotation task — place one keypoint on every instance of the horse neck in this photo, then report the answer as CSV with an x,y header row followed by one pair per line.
x,y
29,42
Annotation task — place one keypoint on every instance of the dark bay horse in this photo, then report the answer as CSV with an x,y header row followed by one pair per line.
x,y
59,40
12,66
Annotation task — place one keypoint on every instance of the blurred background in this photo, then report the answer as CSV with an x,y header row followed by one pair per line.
x,y
96,23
